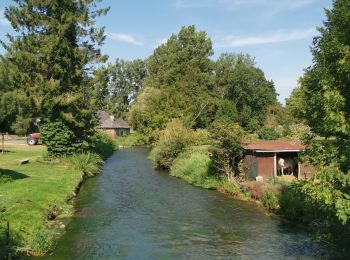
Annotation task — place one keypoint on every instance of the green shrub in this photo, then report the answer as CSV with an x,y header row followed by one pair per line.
x,y
270,200
172,141
60,140
42,241
323,201
227,152
88,163
292,202
268,134
103,145
194,166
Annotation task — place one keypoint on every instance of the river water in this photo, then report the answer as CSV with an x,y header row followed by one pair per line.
x,y
132,211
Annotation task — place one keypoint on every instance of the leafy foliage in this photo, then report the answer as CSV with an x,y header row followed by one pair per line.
x,y
103,145
49,63
324,95
270,200
172,141
227,152
60,140
238,80
179,84
322,200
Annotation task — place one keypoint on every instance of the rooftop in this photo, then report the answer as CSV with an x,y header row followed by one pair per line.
x,y
274,146
107,121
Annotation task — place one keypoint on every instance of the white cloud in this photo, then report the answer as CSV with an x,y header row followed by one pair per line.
x,y
160,42
268,38
124,38
234,4
3,20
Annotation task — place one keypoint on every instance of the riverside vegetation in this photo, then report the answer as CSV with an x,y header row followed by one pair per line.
x,y
194,110
35,197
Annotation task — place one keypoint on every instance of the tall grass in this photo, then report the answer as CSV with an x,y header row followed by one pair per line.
x,y
88,163
135,139
194,166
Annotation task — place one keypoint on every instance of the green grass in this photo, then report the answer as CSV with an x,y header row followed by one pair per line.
x,y
134,139
33,194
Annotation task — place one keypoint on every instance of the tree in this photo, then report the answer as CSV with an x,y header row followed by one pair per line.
x,y
238,80
324,88
325,84
125,82
182,73
51,60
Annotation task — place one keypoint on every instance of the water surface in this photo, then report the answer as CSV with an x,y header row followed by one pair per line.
x,y
131,211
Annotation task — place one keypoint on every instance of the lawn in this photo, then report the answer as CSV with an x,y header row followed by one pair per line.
x,y
31,196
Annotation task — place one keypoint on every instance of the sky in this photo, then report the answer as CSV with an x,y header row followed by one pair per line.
x,y
277,33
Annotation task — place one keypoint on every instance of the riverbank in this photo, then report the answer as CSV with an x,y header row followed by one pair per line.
x,y
132,211
34,197
315,204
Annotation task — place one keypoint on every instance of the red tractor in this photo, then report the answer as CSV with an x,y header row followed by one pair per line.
x,y
33,139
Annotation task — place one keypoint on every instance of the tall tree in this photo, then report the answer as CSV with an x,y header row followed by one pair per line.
x,y
181,76
325,84
239,80
125,82
51,59
324,89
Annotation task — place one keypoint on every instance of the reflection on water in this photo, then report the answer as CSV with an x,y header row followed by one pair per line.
x,y
134,212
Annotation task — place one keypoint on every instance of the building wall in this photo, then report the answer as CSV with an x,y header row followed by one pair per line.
x,y
250,165
111,133
306,171
265,165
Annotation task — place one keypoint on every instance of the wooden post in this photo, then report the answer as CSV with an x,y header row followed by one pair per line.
x,y
3,143
8,233
275,165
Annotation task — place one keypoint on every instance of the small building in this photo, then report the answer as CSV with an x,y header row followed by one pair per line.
x,y
274,158
114,127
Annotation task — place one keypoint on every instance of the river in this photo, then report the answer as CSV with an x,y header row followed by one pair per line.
x,y
132,211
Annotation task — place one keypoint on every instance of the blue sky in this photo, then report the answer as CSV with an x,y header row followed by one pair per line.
x,y
278,33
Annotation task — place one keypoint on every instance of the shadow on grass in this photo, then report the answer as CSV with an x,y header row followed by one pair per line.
x,y
9,242
9,175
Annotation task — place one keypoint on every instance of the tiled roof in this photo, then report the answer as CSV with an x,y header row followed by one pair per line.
x,y
107,121
276,145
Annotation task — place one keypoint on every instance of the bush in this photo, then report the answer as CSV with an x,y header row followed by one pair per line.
x,y
172,141
88,163
268,134
194,166
270,200
227,152
60,140
323,201
102,145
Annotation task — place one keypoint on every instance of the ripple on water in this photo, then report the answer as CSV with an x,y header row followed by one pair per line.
x,y
132,211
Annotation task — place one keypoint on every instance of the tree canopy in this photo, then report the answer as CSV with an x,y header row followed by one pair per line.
x,y
50,62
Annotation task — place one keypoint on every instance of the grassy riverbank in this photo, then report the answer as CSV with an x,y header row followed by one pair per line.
x,y
31,195
35,196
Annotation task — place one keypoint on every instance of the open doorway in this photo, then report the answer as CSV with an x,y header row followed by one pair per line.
x,y
287,164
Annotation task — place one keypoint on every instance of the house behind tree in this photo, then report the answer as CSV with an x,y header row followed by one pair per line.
x,y
114,127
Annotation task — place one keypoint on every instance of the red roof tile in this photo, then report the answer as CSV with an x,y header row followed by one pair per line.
x,y
276,145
